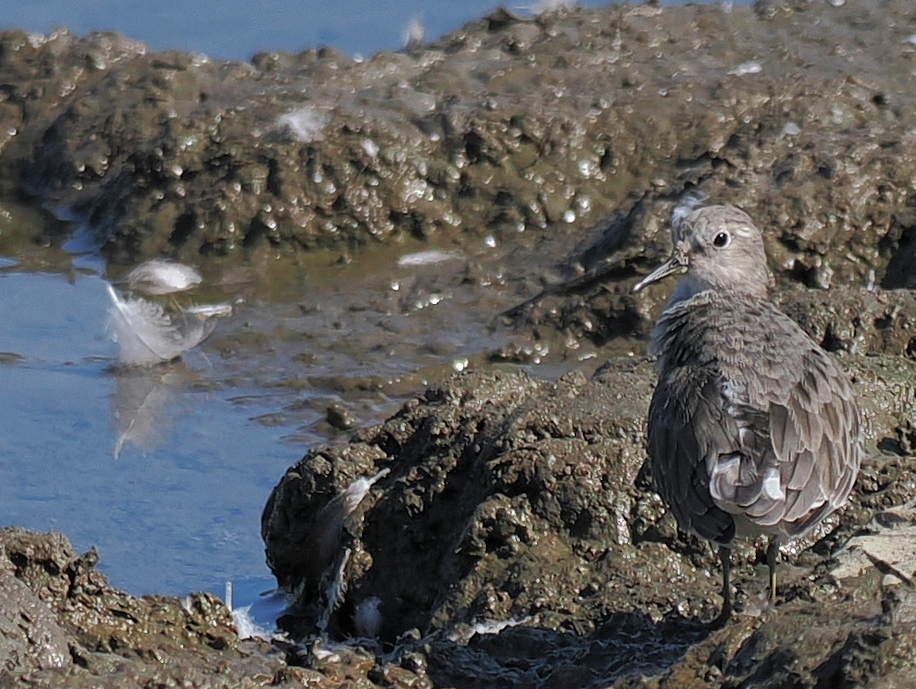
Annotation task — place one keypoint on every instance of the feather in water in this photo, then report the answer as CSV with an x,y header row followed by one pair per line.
x,y
147,335
161,276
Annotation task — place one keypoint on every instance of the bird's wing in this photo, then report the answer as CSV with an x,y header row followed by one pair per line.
x,y
719,451
684,427
815,432
768,433
785,451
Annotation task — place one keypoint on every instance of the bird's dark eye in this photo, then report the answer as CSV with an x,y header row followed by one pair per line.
x,y
721,240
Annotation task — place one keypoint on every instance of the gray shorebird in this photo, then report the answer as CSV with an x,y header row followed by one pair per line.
x,y
753,428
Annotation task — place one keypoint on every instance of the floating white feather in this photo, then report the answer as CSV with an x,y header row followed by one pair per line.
x,y
161,276
425,258
148,335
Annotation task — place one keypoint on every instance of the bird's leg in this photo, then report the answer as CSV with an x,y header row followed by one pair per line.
x,y
772,554
725,558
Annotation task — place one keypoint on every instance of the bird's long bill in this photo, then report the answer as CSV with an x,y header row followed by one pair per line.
x,y
669,267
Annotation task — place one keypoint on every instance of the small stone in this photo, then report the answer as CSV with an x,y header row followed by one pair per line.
x,y
339,417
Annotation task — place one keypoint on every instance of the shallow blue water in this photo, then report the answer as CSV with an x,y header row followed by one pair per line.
x,y
177,507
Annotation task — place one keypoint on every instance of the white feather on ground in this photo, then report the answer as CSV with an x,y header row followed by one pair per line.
x,y
246,627
329,527
259,618
425,258
161,276
334,591
147,335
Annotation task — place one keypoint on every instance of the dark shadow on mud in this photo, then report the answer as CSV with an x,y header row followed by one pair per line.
x,y
626,643
602,261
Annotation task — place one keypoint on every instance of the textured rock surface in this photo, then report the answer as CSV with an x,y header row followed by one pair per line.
x,y
514,529
62,625
796,111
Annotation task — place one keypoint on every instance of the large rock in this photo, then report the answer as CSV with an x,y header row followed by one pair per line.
x,y
502,126
62,625
509,527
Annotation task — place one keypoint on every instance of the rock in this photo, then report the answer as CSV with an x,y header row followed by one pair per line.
x,y
515,515
30,636
890,550
499,127
62,625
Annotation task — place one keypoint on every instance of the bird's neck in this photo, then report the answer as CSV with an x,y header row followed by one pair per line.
x,y
690,286
687,286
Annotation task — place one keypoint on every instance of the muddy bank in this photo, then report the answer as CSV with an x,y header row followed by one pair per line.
x,y
510,528
512,541
62,624
509,538
799,112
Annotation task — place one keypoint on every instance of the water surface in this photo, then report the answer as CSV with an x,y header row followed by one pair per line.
x,y
238,29
166,470
177,507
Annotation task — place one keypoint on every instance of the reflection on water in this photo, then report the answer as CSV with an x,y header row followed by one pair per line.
x,y
155,467
144,400
166,468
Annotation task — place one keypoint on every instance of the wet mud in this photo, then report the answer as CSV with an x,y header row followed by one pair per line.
x,y
492,527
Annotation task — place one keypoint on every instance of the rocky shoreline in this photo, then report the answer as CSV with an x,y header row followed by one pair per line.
x,y
508,536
